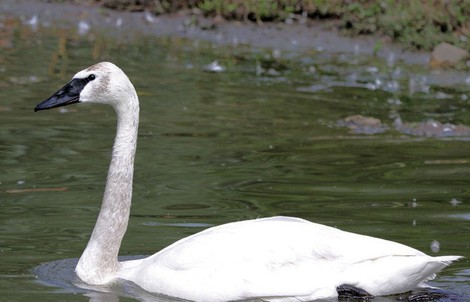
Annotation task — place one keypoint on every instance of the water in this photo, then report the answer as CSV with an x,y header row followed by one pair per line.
x,y
258,139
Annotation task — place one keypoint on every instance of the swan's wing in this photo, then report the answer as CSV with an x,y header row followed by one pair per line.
x,y
278,239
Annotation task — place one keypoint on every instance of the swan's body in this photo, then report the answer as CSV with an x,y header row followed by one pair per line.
x,y
278,258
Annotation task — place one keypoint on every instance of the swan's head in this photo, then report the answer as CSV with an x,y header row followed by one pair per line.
x,y
103,83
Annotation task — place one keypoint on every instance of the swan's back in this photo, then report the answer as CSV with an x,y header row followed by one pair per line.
x,y
283,236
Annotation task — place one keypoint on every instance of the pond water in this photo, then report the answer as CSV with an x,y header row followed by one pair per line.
x,y
259,138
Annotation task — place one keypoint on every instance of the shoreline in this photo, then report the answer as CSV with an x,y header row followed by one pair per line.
x,y
301,38
288,40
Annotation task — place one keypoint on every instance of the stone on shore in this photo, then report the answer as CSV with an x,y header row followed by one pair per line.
x,y
446,55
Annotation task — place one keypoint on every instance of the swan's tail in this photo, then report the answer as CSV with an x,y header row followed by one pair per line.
x,y
447,260
437,264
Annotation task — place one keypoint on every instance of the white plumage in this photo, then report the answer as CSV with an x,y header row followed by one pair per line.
x,y
275,259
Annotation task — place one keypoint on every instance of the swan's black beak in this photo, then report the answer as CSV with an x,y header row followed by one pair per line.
x,y
69,94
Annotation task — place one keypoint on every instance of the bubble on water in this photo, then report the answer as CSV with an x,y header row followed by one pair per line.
x,y
435,246
21,182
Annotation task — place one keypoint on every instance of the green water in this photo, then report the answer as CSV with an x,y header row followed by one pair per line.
x,y
220,147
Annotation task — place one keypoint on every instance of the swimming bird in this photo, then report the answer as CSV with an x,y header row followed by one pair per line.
x,y
271,259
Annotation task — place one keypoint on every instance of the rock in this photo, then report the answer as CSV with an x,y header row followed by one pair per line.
x,y
445,55
369,125
363,124
431,128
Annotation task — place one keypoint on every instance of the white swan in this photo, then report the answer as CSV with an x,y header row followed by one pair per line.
x,y
275,259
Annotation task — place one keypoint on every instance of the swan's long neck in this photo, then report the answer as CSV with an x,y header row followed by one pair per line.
x,y
99,261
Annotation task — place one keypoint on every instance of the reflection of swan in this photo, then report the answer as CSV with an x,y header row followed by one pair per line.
x,y
278,258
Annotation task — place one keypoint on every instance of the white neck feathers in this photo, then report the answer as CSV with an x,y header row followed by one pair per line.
x,y
99,261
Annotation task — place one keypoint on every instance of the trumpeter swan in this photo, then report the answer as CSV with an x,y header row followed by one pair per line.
x,y
273,259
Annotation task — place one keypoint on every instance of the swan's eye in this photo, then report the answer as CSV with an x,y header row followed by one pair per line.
x,y
91,77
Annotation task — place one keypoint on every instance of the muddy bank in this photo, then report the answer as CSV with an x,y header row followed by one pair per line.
x,y
305,37
298,38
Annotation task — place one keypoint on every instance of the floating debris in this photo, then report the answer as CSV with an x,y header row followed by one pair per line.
x,y
370,125
431,128
445,55
33,22
363,124
266,71
149,17
455,202
214,67
270,67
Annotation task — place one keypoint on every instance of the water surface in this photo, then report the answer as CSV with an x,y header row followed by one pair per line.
x,y
260,138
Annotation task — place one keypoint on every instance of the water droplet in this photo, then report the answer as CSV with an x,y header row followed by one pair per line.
x,y
435,246
455,202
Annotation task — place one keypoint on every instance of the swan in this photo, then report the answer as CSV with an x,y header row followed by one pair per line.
x,y
271,259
